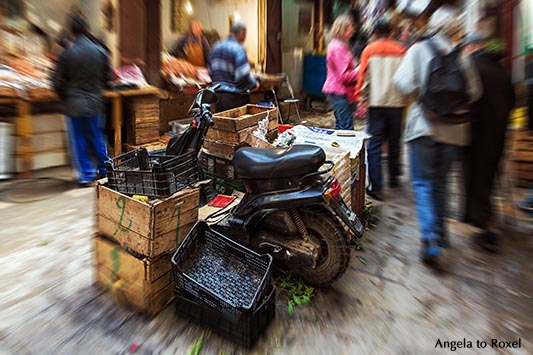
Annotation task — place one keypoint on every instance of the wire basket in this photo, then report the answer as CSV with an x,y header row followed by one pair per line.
x,y
158,176
245,331
222,273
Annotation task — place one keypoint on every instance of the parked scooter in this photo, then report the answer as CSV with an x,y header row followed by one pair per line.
x,y
290,209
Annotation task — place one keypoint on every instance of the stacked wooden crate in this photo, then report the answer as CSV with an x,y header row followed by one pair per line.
x,y
142,120
48,142
341,171
522,157
232,127
135,242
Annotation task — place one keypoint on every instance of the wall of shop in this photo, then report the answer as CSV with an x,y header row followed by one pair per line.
x,y
294,33
50,14
215,15
296,39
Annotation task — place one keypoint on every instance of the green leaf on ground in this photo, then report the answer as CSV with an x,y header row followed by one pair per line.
x,y
196,347
299,293
290,308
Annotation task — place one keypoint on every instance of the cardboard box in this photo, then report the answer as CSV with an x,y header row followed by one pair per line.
x,y
143,284
149,229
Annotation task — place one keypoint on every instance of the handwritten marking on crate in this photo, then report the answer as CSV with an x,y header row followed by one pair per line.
x,y
177,210
121,204
116,284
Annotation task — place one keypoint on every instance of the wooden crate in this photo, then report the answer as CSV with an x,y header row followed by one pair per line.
x,y
221,149
143,284
43,160
47,123
358,174
243,117
522,157
149,229
175,108
239,136
142,120
341,171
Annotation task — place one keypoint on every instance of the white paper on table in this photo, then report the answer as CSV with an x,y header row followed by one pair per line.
x,y
330,138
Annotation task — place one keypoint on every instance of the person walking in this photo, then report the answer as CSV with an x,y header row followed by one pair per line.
x,y
341,75
375,88
229,67
81,74
433,143
490,116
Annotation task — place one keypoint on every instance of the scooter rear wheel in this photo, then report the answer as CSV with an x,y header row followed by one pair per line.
x,y
334,256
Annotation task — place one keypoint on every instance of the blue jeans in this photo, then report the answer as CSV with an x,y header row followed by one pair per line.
x,y
430,164
343,111
86,138
384,124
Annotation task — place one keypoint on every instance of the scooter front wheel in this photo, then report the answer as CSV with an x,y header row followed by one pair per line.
x,y
334,256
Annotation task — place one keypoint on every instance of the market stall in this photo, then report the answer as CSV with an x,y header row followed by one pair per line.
x,y
24,111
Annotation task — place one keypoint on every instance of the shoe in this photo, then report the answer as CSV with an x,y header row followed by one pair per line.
x,y
430,252
393,183
443,241
488,241
374,194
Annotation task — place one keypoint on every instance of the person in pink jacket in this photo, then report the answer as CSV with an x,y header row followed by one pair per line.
x,y
341,78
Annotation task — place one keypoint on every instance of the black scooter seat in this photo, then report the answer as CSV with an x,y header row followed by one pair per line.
x,y
277,163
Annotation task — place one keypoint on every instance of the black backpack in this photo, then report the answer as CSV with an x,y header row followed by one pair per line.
x,y
445,98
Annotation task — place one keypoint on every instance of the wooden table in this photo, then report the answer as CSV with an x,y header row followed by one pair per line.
x,y
23,122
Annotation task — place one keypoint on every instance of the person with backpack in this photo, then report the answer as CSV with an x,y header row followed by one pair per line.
x,y
444,83
490,117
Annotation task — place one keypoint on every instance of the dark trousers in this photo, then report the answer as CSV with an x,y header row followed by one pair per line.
x,y
481,165
227,100
384,124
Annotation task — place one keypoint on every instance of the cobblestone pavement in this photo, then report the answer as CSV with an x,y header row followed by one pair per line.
x,y
387,303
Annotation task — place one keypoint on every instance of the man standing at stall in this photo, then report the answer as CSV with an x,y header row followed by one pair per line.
x,y
193,46
81,74
229,67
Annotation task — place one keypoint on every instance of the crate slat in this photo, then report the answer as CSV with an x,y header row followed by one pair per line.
x,y
145,285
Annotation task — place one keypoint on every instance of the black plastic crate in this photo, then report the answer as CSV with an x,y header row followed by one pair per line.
x,y
222,273
224,186
216,166
244,331
138,173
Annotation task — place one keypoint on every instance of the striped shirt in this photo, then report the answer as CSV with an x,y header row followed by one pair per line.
x,y
229,66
